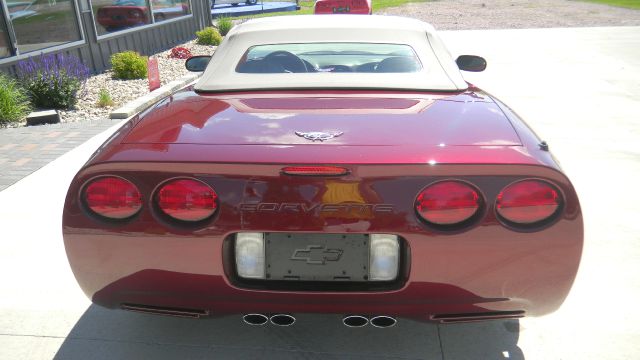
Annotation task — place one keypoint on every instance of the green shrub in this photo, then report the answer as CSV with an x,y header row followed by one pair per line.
x,y
53,81
104,99
129,65
224,25
208,36
14,101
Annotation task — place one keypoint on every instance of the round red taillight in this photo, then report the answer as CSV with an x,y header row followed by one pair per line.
x,y
187,200
528,202
112,197
448,203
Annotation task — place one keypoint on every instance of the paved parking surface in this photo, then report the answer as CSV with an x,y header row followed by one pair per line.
x,y
579,88
27,149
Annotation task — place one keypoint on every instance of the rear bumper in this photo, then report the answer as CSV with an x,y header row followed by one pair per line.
x,y
488,269
485,267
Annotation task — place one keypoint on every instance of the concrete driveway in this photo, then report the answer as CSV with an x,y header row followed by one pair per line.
x,y
578,88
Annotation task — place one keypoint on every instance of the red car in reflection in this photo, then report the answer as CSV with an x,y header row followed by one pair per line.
x,y
130,13
342,7
352,173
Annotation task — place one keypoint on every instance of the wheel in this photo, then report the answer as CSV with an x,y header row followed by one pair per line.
x,y
236,4
252,2
288,61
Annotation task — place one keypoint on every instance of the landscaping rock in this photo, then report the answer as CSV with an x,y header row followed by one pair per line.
x,y
124,91
43,117
149,99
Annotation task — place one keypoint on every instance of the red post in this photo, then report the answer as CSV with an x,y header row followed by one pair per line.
x,y
153,73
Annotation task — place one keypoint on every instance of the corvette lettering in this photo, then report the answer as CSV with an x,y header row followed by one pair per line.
x,y
316,208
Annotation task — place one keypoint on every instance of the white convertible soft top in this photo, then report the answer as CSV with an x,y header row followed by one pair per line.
x,y
439,71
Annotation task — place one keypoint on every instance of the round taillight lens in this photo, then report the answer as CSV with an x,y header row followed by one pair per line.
x,y
528,202
187,200
448,203
112,197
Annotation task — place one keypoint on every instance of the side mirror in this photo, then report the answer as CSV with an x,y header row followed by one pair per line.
x,y
471,63
197,63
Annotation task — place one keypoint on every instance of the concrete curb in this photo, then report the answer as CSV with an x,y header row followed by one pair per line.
x,y
141,103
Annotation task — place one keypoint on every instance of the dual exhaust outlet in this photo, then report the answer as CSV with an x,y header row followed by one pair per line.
x,y
277,319
352,321
380,321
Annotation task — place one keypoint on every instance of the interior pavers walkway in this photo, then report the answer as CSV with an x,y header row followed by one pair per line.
x,y
26,149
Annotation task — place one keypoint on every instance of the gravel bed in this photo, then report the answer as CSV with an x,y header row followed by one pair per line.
x,y
515,14
123,91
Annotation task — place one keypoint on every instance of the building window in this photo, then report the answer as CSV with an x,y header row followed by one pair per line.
x,y
169,9
40,24
116,15
5,43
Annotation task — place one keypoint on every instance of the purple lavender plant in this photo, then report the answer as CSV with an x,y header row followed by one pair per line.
x,y
53,80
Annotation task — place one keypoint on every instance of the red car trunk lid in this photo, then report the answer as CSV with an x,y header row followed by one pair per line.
x,y
354,120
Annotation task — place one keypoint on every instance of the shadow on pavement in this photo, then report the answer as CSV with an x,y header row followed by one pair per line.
x,y
107,334
489,340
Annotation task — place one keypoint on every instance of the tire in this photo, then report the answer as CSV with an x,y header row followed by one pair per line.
x,y
252,2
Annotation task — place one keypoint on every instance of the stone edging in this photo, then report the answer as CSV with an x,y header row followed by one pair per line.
x,y
143,102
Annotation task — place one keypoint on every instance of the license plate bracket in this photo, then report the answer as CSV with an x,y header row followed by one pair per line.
x,y
317,257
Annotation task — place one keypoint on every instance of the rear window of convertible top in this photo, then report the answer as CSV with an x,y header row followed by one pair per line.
x,y
329,58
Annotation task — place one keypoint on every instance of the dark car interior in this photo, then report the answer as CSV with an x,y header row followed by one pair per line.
x,y
286,62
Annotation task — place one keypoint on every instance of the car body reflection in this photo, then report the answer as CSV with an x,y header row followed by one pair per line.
x,y
118,15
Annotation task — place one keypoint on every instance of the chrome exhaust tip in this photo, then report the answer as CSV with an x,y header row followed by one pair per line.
x,y
255,319
282,319
383,321
355,321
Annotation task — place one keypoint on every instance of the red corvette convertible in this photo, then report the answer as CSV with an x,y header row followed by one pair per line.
x,y
339,167
342,7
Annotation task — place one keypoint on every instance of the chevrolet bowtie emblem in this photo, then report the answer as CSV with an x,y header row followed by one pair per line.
x,y
316,255
318,135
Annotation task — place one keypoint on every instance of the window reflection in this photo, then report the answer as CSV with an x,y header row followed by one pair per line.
x,y
40,24
116,15
5,50
169,9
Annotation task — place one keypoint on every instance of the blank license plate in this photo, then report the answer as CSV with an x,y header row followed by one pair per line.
x,y
317,257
